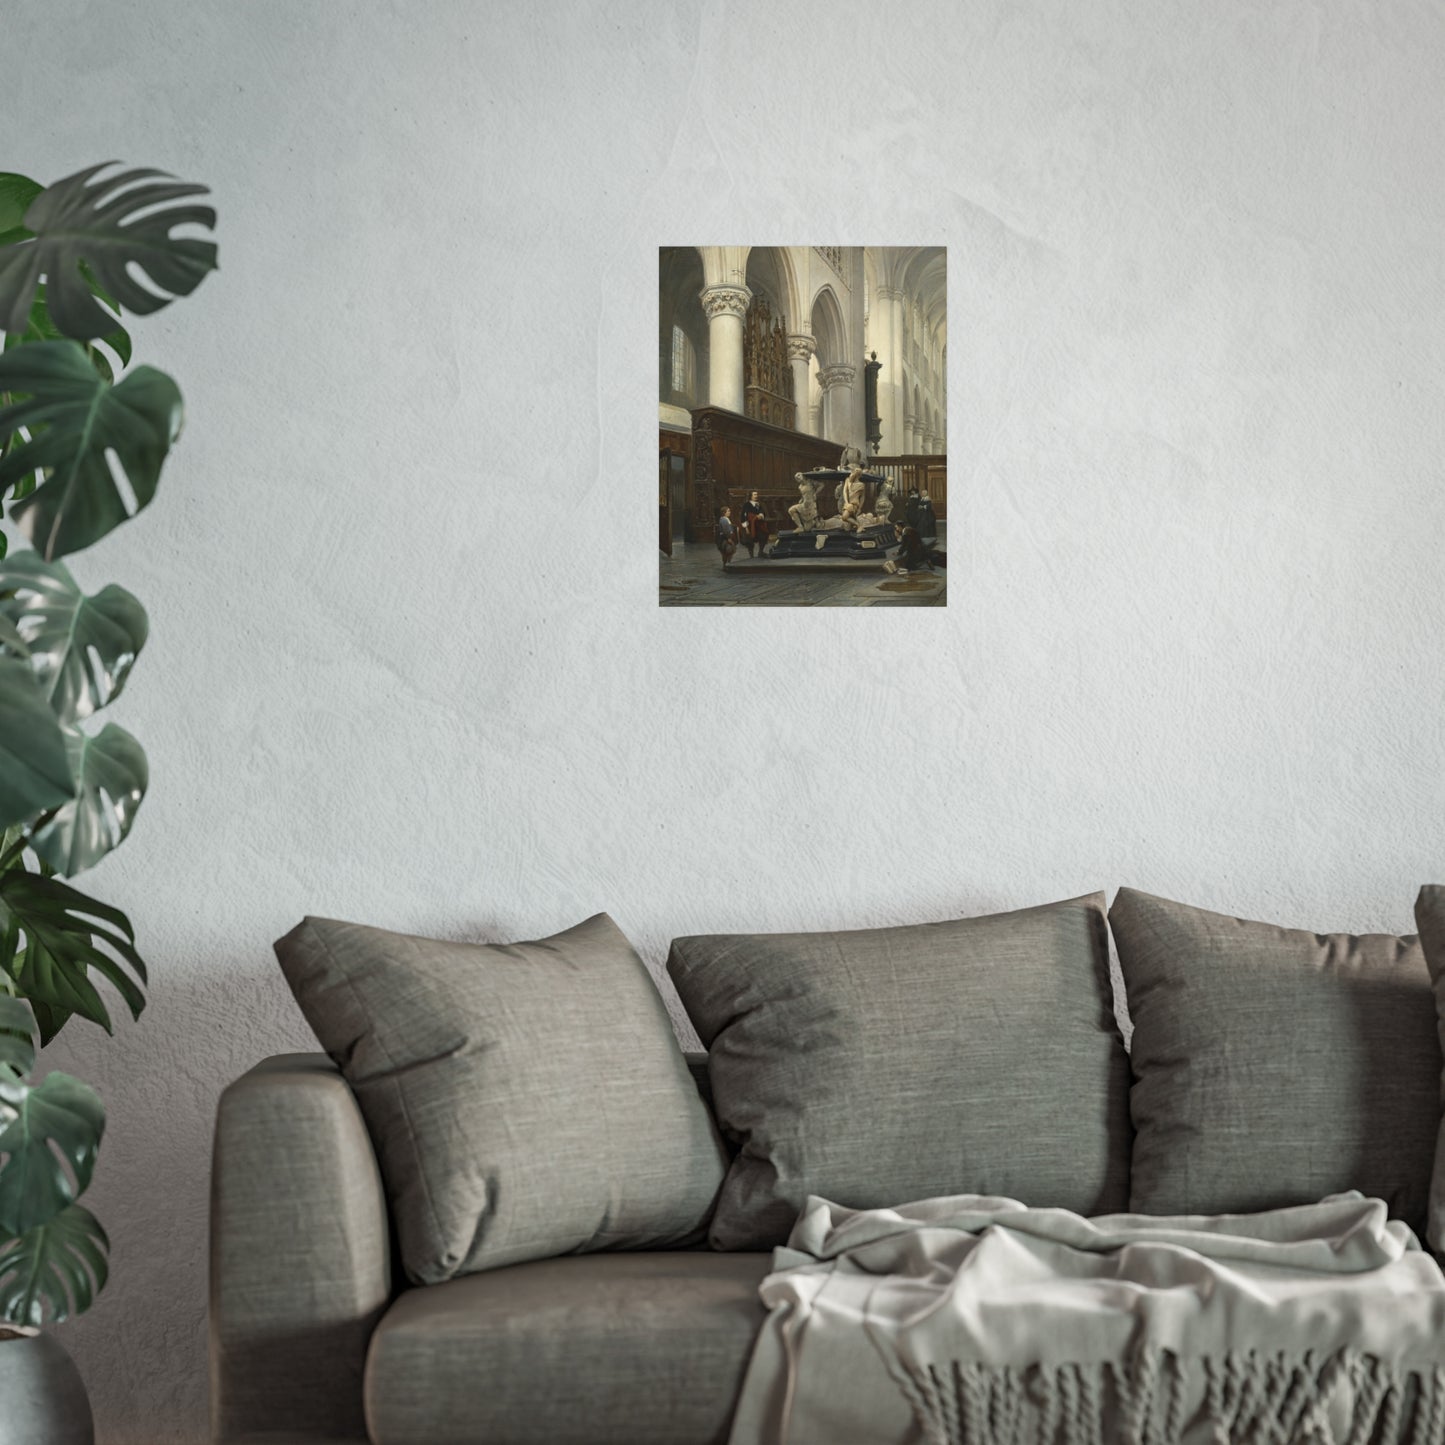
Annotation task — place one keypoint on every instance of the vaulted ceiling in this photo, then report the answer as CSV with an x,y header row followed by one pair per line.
x,y
922,271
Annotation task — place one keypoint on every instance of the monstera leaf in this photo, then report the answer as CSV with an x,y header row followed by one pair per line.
x,y
42,328
81,648
82,222
110,776
17,1041
10,638
16,194
34,762
55,1271
49,1137
75,419
51,936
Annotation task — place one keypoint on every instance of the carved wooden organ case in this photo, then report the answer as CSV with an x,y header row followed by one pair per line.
x,y
767,372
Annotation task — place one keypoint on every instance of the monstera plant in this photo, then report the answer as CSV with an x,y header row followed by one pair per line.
x,y
84,435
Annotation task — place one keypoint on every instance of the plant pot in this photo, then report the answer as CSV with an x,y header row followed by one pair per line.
x,y
42,1397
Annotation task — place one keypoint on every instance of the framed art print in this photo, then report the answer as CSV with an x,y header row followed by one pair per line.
x,y
802,426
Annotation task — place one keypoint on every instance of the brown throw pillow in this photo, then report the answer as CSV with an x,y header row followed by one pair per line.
x,y
524,1099
1274,1066
890,1064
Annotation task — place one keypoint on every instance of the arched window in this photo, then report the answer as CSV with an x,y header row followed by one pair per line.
x,y
684,366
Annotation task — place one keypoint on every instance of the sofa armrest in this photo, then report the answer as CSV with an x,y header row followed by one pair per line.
x,y
300,1254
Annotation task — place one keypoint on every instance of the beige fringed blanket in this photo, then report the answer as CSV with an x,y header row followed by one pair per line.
x,y
977,1321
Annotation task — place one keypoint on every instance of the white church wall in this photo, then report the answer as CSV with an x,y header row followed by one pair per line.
x,y
407,664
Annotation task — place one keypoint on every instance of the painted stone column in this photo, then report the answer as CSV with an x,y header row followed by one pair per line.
x,y
725,307
800,348
837,384
901,400
909,436
890,390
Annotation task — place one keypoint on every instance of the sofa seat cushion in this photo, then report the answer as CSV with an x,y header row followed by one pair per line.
x,y
644,1348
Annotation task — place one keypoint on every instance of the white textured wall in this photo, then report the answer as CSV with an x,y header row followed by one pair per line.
x,y
407,663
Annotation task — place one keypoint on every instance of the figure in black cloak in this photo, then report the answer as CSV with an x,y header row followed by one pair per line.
x,y
914,554
927,523
755,526
910,507
727,535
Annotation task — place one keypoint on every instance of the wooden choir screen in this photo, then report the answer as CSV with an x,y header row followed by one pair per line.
x,y
732,455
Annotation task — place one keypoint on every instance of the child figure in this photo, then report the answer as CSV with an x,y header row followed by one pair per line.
x,y
726,535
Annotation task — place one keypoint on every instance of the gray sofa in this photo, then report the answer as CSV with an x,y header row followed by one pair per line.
x,y
312,1337
1267,1067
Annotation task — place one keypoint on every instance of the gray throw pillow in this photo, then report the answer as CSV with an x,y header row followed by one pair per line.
x,y
883,1065
1430,920
524,1099
1274,1066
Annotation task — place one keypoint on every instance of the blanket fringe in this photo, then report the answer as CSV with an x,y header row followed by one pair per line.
x,y
1249,1398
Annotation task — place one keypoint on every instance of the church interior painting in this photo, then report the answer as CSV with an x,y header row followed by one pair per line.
x,y
803,426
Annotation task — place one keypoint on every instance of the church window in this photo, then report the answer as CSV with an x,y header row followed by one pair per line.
x,y
684,365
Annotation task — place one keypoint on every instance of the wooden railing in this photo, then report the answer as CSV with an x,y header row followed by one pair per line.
x,y
926,471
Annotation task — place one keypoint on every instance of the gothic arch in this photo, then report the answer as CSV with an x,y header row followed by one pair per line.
x,y
830,331
786,268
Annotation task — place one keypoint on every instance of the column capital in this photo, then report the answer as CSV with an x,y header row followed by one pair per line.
x,y
891,293
840,375
800,346
725,301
